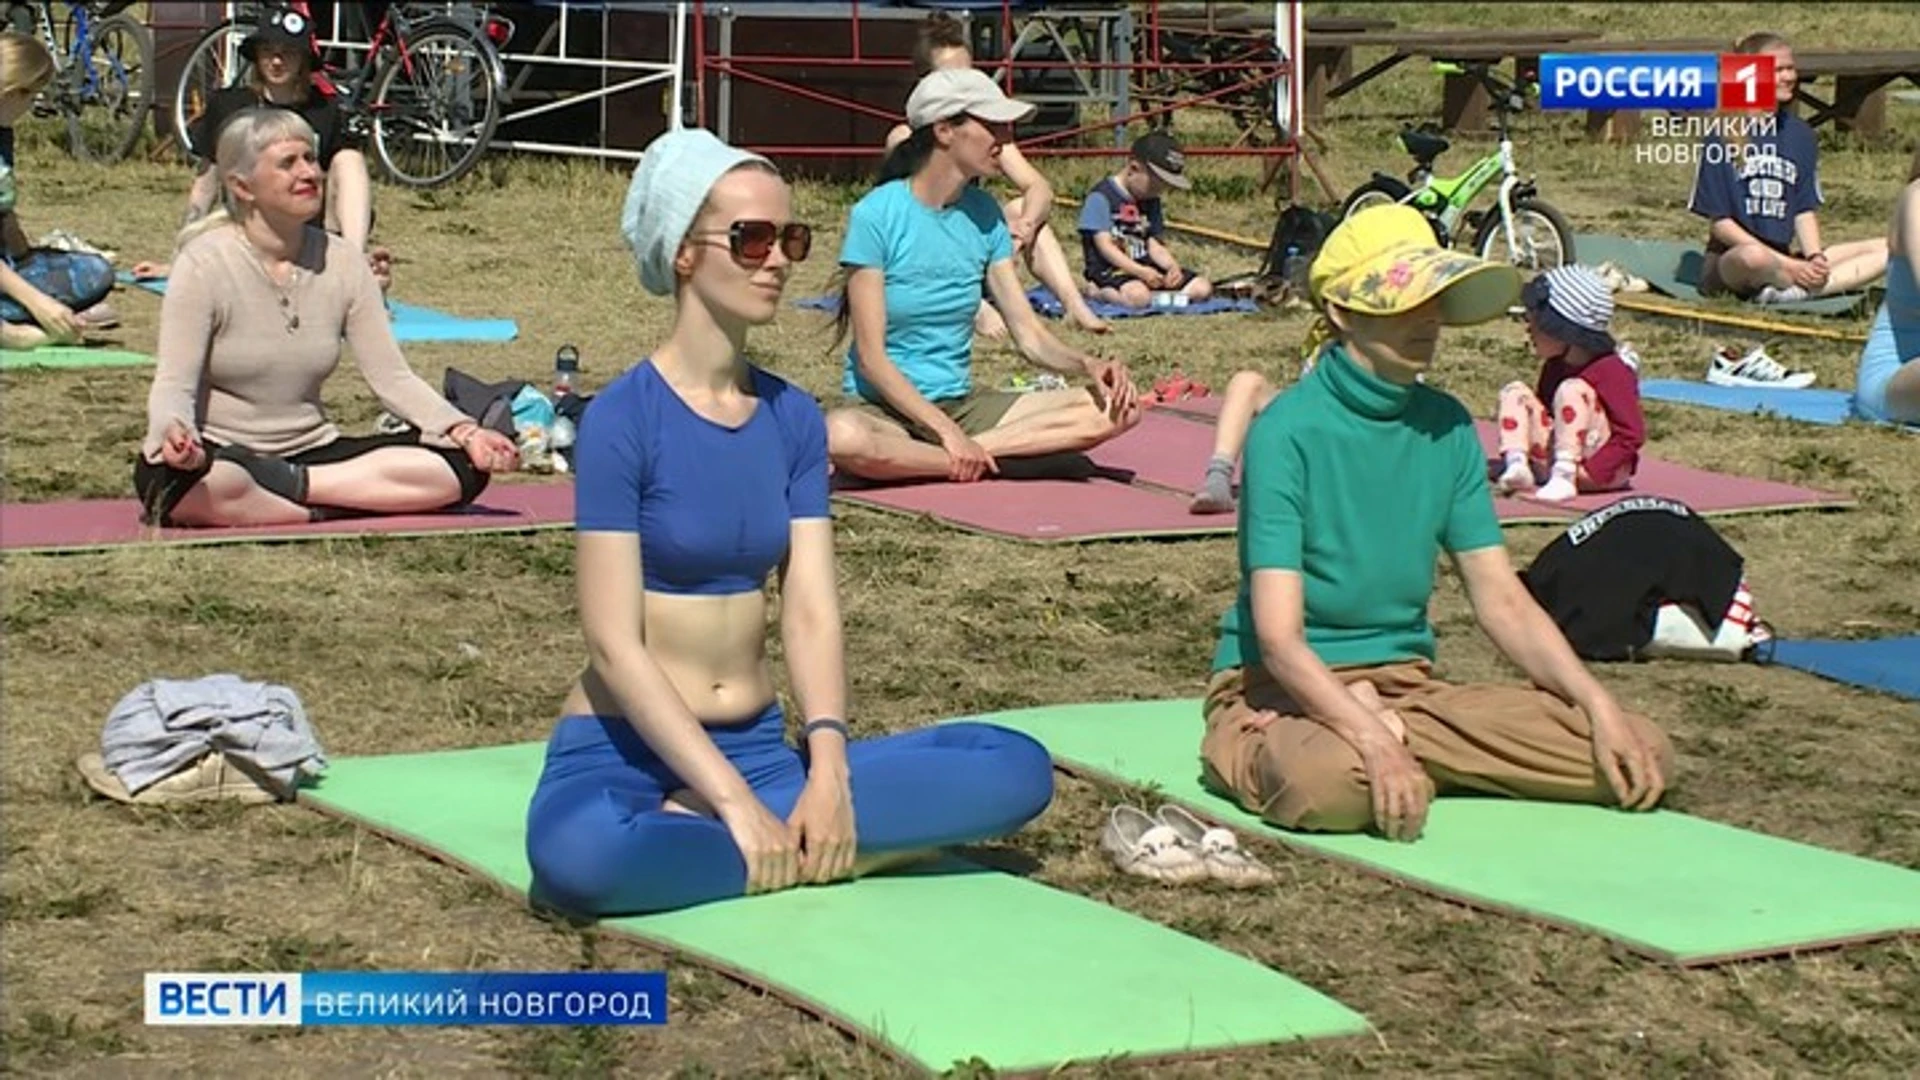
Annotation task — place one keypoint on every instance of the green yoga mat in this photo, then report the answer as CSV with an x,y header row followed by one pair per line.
x,y
1669,886
941,965
70,356
1673,268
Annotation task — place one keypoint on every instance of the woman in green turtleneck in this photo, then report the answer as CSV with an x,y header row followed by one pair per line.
x,y
1323,712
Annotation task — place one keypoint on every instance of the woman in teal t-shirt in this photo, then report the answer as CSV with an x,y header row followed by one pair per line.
x,y
917,249
1323,712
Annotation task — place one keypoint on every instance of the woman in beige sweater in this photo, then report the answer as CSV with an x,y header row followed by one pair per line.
x,y
255,314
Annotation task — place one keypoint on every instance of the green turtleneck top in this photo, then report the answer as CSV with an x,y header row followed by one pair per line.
x,y
1357,484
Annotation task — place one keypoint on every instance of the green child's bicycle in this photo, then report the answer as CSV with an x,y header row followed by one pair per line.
x,y
1519,228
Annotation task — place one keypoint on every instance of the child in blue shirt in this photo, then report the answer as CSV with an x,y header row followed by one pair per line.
x,y
1122,225
1762,199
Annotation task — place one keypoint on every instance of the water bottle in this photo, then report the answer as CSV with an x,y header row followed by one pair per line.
x,y
566,364
1293,267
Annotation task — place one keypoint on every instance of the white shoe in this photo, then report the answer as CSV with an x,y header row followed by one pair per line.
x,y
1773,294
1757,369
1620,280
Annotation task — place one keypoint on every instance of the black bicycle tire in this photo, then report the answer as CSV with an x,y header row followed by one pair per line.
x,y
182,136
392,69
76,141
1561,227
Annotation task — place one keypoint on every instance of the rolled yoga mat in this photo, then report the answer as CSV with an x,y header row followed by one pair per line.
x,y
938,966
411,322
1676,888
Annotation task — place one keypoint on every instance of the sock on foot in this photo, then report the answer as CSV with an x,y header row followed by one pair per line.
x,y
1216,490
1518,475
1560,486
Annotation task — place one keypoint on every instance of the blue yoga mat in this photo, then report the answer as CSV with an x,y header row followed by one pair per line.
x,y
411,322
1047,304
1890,665
1812,406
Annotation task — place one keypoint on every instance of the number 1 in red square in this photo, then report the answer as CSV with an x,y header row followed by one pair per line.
x,y
1747,82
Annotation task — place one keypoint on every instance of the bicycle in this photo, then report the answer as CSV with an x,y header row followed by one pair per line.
x,y
1520,226
436,75
103,74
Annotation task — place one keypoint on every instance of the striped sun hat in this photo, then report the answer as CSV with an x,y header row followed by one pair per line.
x,y
1573,304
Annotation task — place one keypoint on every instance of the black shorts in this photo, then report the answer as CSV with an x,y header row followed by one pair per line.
x,y
1107,277
161,487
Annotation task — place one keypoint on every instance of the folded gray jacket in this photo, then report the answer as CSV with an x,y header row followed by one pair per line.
x,y
167,724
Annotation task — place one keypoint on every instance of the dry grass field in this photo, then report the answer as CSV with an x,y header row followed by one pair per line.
x,y
420,644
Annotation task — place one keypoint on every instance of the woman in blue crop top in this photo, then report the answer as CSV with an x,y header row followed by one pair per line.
x,y
1888,383
669,780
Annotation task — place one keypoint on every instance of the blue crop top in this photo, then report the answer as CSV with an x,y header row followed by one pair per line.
x,y
712,504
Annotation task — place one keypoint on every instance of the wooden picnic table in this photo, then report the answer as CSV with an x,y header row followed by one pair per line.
x,y
1329,56
1860,81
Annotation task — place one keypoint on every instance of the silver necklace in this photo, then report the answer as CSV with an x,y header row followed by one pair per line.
x,y
289,312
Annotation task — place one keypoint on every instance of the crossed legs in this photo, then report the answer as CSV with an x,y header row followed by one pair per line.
x,y
875,447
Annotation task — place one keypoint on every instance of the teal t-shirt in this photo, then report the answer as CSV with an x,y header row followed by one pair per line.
x,y
935,263
1357,484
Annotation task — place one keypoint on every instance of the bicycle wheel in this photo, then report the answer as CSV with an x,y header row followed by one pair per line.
x,y
435,108
1386,191
1542,237
214,64
112,95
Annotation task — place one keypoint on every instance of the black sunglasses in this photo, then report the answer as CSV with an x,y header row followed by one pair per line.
x,y
754,240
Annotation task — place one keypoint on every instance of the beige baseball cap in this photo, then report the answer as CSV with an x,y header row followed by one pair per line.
x,y
949,92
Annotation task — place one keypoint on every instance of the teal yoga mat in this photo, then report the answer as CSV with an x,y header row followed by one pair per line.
x,y
1676,888
1673,267
411,322
937,966
70,356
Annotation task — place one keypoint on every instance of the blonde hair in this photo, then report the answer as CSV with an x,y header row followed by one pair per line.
x,y
242,141
25,63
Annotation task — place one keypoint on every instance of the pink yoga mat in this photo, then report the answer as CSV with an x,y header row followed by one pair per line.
x,y
1162,450
91,524
1047,510
1711,494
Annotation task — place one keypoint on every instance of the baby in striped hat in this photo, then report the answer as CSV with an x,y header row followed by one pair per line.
x,y
1579,427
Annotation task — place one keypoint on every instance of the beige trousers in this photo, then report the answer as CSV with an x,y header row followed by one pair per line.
x,y
1294,772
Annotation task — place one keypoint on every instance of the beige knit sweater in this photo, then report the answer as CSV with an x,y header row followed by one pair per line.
x,y
230,365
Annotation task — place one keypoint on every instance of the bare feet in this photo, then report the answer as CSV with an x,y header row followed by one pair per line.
x,y
988,323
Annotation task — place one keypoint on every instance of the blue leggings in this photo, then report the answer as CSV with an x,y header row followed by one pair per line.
x,y
77,279
600,844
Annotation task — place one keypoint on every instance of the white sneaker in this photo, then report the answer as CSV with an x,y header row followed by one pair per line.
x,y
1627,353
1773,294
1756,368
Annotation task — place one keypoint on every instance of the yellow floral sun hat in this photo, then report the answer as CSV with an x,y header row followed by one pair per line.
x,y
1384,261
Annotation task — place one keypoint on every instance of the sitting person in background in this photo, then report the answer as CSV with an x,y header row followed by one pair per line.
x,y
251,327
1590,437
916,249
943,44
280,55
47,297
669,779
1323,712
1888,384
1122,225
1763,198
1248,394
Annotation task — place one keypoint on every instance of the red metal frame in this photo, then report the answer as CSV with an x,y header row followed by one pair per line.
x,y
737,67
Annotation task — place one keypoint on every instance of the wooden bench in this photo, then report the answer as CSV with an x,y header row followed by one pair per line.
x,y
1860,81
1465,102
1329,56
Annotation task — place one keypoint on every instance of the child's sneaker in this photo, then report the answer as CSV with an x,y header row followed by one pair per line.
x,y
1756,368
1628,354
1774,294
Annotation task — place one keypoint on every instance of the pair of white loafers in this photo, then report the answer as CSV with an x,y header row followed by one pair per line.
x,y
1176,847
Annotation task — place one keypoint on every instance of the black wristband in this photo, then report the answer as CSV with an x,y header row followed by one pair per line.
x,y
823,724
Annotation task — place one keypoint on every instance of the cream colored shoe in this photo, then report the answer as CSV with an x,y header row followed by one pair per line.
x,y
1219,849
212,778
1144,847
